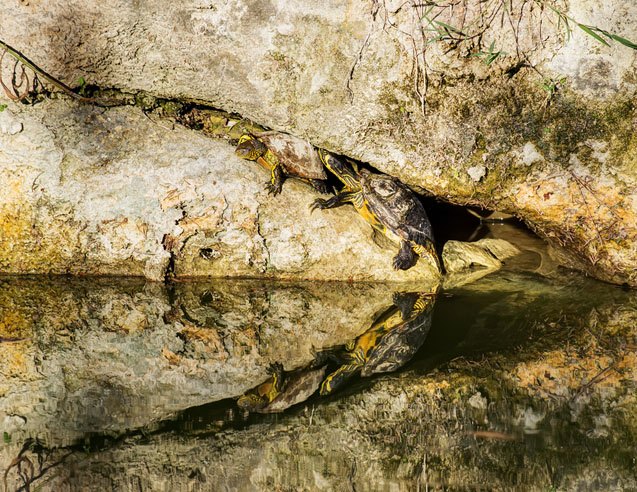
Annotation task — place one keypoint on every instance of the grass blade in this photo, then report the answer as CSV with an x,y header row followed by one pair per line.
x,y
451,28
624,41
591,32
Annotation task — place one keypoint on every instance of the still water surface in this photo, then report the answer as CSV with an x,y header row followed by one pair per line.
x,y
512,382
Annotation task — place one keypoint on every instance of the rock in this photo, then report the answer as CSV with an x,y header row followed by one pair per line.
x,y
477,172
9,125
467,262
110,192
102,355
93,191
369,82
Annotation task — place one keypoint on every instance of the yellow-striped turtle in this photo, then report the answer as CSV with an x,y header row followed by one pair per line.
x,y
284,156
401,343
283,389
258,398
389,343
388,205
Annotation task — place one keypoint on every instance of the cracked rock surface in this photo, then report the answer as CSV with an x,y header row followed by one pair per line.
x,y
546,131
94,191
89,191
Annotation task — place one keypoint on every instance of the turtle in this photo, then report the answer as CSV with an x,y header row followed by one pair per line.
x,y
401,343
392,340
282,390
299,386
258,398
284,156
391,208
217,124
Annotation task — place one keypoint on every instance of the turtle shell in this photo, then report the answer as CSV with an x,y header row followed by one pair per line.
x,y
299,387
397,207
298,157
397,347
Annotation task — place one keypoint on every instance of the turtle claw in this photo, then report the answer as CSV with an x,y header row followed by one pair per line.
x,y
273,189
406,257
318,203
402,263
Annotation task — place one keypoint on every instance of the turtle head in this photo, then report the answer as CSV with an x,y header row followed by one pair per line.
x,y
380,184
336,379
250,147
343,171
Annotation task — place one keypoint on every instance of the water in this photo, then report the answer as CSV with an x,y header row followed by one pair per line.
x,y
512,382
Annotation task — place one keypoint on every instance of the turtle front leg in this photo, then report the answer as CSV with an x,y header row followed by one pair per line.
x,y
430,249
321,186
276,180
336,379
406,257
336,201
278,377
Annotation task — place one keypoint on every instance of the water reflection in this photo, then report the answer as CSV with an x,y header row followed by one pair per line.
x,y
283,389
393,338
391,341
112,385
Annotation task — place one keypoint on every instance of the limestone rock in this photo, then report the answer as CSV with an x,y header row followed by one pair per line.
x,y
93,191
467,262
369,80
8,123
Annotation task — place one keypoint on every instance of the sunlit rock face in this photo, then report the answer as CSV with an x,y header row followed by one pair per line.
x,y
553,407
88,191
532,121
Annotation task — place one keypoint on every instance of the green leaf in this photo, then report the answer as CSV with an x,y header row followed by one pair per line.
x,y
491,58
451,28
590,31
2,107
435,39
425,16
81,82
6,438
624,41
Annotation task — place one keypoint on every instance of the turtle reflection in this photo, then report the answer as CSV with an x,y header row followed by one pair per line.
x,y
282,389
391,341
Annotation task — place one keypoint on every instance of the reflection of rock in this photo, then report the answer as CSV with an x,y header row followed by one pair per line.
x,y
494,422
305,316
106,355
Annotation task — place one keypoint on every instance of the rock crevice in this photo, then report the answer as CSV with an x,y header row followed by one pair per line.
x,y
545,130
